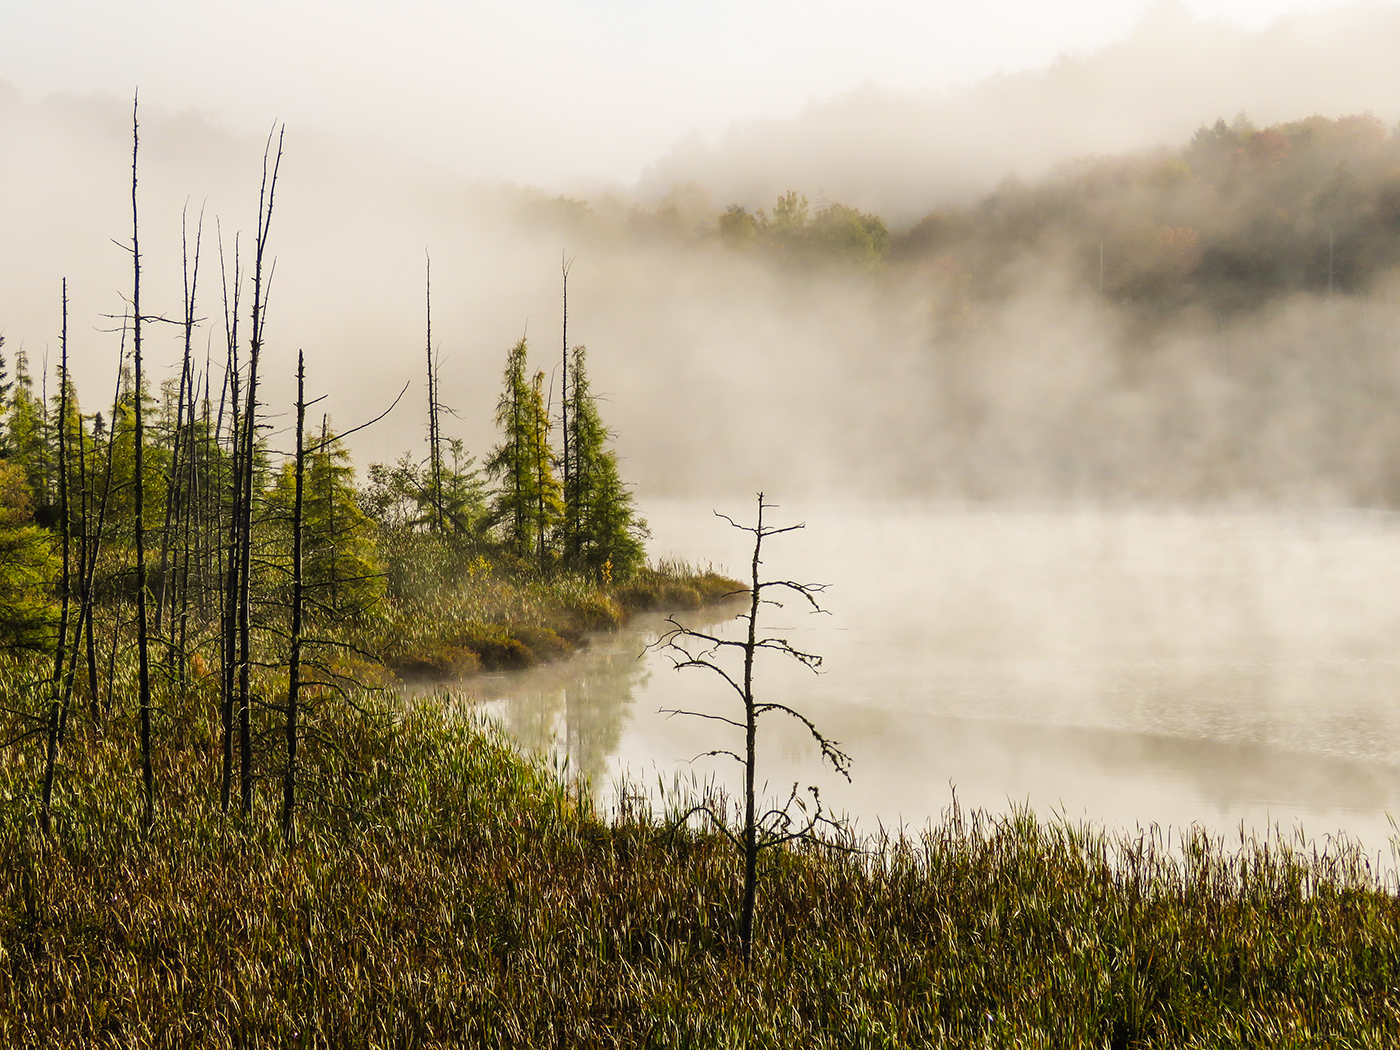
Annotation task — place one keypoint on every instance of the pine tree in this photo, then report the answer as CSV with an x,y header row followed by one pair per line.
x,y
27,568
5,387
25,427
463,496
341,574
604,534
528,503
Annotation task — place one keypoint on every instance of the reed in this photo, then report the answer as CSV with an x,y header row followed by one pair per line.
x,y
445,890
450,611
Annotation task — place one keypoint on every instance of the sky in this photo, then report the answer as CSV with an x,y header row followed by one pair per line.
x,y
543,91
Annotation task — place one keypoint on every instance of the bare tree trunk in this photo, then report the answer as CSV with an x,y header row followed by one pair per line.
x,y
245,737
564,419
175,495
434,434
231,574
85,606
294,661
750,738
777,826
90,582
60,644
142,640
180,614
540,426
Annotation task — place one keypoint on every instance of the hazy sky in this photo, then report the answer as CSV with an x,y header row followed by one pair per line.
x,y
543,90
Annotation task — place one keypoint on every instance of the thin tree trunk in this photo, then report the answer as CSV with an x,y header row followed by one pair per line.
x,y
294,661
245,738
85,581
90,584
541,434
189,539
142,640
175,495
56,700
230,574
434,435
750,737
564,419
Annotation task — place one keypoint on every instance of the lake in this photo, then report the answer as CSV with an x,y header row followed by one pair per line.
x,y
1231,669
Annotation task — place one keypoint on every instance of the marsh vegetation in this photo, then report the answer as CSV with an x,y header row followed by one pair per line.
x,y
220,823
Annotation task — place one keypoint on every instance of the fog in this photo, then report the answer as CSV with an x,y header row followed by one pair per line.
x,y
541,90
1225,669
1147,534
719,366
900,152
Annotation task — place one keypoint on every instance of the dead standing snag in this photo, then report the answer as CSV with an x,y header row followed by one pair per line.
x,y
792,821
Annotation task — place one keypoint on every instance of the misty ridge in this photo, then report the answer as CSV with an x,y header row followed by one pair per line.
x,y
1152,273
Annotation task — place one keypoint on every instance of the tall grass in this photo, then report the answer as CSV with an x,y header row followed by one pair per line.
x,y
444,890
451,609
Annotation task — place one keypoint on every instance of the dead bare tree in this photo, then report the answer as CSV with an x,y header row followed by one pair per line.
x,y
261,288
289,776
434,428
143,661
230,572
56,696
176,492
569,510
798,818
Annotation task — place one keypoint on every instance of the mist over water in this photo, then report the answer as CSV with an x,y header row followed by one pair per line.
x,y
1228,669
1137,570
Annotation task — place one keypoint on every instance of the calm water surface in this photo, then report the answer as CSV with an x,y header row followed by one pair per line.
x,y
1228,669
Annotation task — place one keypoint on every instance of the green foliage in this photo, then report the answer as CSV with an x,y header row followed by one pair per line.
x,y
26,429
836,233
676,585
28,567
400,495
155,463
1236,218
528,503
340,564
602,533
737,227
445,891
6,385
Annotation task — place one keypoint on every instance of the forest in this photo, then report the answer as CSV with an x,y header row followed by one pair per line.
x,y
1228,222
221,823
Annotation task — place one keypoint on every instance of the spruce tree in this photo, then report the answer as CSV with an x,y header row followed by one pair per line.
x,y
25,428
5,387
28,566
528,502
603,533
341,574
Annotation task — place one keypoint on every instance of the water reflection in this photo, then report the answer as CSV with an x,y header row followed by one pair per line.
x,y
1224,669
577,708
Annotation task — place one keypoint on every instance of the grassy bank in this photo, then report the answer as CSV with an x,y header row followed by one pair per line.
x,y
449,612
443,891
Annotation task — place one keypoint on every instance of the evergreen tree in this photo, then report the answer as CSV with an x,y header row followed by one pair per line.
x,y
155,458
25,428
27,567
463,493
5,387
74,438
340,569
401,494
528,503
604,534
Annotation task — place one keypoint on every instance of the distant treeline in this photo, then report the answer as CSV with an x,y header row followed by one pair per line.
x,y
1231,220
1234,219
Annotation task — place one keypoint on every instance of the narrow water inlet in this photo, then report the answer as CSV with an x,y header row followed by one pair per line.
x,y
1226,668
